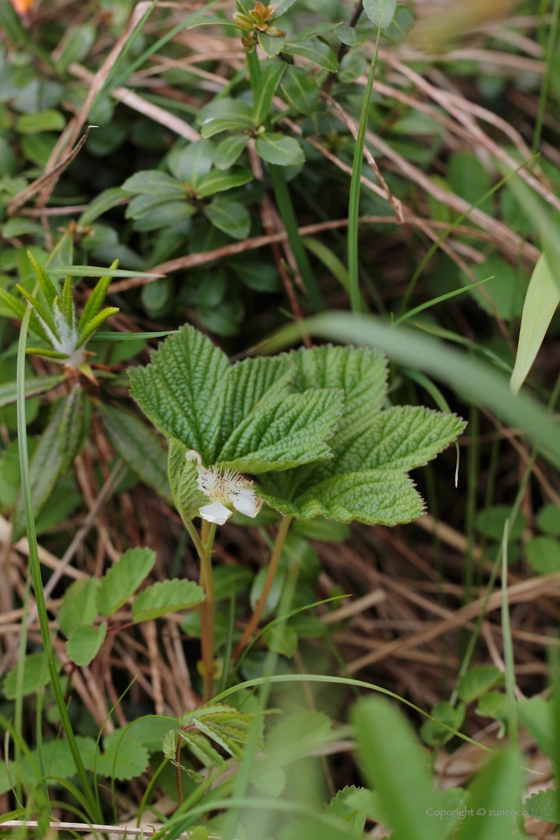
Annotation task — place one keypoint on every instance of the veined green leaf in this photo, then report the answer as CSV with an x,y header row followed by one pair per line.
x,y
153,182
45,282
141,205
300,89
35,668
230,216
165,215
541,302
218,181
354,35
399,28
314,51
269,80
216,126
283,7
338,808
123,579
543,806
279,149
78,605
380,12
229,150
166,597
101,203
95,300
33,386
138,446
193,162
84,642
271,46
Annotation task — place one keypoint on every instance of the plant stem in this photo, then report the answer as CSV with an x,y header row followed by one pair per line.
x,y
354,202
270,575
207,608
549,51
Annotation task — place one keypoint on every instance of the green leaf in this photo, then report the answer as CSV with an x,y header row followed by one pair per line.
x,y
543,806
153,182
183,480
77,45
33,386
218,181
229,150
271,46
166,597
399,28
138,446
353,36
90,328
281,639
210,20
44,470
435,735
84,642
279,149
73,426
541,302
216,126
78,605
165,215
535,714
142,205
395,765
314,51
494,705
95,301
491,521
543,554
132,757
380,12
37,121
300,89
49,290
223,115
230,217
101,203
548,519
339,809
36,672
193,162
478,681
496,788
230,580
269,80
123,579
283,7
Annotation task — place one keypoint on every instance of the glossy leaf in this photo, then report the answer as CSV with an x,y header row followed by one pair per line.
x,y
230,217
193,162
229,150
153,182
300,89
314,51
269,79
279,149
219,181
271,46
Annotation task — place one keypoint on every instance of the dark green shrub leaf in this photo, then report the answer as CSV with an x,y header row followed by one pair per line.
x,y
354,35
478,681
300,89
229,150
153,182
192,163
229,216
278,149
380,12
543,554
271,46
399,28
435,735
269,80
218,181
314,51
123,579
166,597
78,605
170,213
33,123
84,642
101,203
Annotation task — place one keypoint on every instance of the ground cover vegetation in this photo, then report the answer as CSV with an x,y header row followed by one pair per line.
x,y
279,451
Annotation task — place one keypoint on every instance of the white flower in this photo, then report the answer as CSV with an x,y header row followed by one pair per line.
x,y
224,487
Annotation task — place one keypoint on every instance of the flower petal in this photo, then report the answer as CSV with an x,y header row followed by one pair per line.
x,y
216,512
246,501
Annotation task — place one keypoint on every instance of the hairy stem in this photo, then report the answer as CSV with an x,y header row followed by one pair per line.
x,y
270,575
203,545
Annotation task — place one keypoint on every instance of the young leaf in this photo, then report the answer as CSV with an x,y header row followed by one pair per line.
x,y
90,328
138,446
541,302
218,181
44,313
95,300
230,217
84,642
153,182
229,150
166,597
300,89
123,579
279,149
45,282
314,51
271,46
269,80
380,12
78,605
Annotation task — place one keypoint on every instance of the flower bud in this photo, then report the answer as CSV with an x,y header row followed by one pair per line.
x,y
243,21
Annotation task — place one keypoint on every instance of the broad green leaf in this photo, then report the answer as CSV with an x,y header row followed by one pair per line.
x,y
395,765
497,787
314,51
166,597
223,115
543,554
435,735
153,182
123,579
131,756
494,705
78,605
279,149
37,121
229,150
74,426
166,215
141,205
478,681
44,470
339,809
36,671
84,642
283,7
300,89
548,519
216,126
230,217
269,80
101,203
281,639
543,806
271,46
491,521
34,385
192,163
399,28
230,580
210,20
295,736
541,302
535,714
138,446
353,36
218,181
380,12
77,45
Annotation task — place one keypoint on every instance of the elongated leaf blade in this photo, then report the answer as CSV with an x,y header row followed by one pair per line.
x,y
269,80
33,386
166,597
